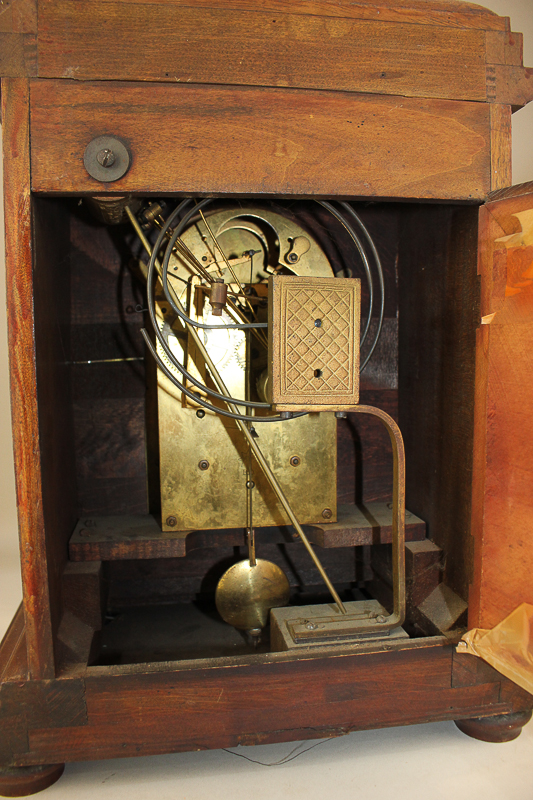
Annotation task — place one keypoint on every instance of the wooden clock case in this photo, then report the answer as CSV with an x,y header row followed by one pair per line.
x,y
403,108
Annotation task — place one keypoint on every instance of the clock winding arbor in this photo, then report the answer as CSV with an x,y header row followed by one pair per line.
x,y
403,109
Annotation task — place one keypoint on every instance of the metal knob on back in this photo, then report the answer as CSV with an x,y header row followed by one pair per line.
x,y
106,159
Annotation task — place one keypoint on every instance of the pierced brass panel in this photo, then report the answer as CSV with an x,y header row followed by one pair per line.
x,y
314,342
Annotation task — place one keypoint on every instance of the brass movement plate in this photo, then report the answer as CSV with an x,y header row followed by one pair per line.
x,y
314,342
215,497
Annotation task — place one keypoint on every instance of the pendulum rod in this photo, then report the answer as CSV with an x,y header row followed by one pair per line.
x,y
263,463
250,533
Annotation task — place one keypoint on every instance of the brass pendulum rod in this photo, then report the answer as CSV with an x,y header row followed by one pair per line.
x,y
250,531
263,463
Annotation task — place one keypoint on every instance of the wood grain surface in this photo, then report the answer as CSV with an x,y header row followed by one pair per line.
x,y
231,140
18,54
116,538
503,508
19,16
453,13
509,84
259,47
26,435
132,710
500,152
439,297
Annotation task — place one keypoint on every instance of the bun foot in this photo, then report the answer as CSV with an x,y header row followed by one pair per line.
x,y
21,781
500,728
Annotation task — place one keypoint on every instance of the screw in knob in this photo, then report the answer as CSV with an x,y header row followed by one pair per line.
x,y
203,464
105,157
294,461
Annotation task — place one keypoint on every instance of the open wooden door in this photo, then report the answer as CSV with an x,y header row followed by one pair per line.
x,y
503,439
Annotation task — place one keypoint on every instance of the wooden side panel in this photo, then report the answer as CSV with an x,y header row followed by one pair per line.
x,y
108,395
438,317
20,290
259,47
503,509
51,287
231,140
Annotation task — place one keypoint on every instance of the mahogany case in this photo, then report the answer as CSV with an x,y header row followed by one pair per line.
x,y
402,109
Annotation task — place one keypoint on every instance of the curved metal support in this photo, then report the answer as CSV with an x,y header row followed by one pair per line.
x,y
398,518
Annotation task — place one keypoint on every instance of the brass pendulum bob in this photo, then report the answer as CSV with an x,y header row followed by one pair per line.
x,y
249,589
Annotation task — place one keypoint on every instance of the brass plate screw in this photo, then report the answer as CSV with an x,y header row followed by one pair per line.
x,y
203,465
327,513
295,461
171,522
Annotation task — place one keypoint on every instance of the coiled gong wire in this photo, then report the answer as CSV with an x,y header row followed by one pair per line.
x,y
164,233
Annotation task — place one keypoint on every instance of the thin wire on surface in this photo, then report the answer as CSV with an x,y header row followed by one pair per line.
x,y
284,760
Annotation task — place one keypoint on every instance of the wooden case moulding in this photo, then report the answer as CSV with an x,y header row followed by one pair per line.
x,y
455,13
418,49
236,140
259,48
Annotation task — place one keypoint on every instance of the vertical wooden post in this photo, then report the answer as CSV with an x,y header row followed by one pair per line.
x,y
19,277
500,146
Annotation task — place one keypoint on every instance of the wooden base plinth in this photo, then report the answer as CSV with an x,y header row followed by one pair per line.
x,y
97,710
22,781
501,728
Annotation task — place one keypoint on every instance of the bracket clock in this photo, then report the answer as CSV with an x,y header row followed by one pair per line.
x,y
270,302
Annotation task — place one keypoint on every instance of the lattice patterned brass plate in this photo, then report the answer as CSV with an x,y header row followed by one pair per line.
x,y
314,342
